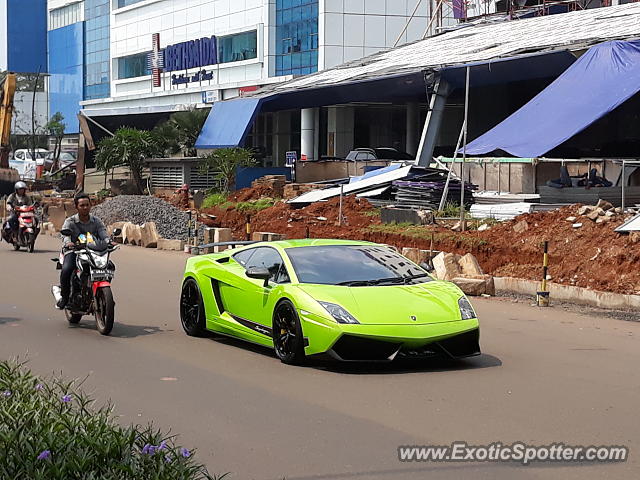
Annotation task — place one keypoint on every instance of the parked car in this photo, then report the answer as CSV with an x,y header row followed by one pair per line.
x,y
380,153
25,154
65,159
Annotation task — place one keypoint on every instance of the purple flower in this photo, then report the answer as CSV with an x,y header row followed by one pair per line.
x,y
6,393
149,449
39,387
44,455
167,458
163,445
66,398
185,453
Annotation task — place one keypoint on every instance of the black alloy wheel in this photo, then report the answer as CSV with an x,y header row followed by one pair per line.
x,y
105,310
287,334
192,313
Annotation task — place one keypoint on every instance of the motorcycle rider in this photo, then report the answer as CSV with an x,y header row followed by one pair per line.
x,y
81,223
18,198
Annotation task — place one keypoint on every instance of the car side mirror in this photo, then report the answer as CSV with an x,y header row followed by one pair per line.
x,y
427,266
66,232
260,273
117,232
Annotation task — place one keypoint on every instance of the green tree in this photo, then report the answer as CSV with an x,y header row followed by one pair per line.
x,y
55,126
224,162
166,137
130,147
186,127
108,156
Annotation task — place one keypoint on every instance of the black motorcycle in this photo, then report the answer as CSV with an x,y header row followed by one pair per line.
x,y
91,282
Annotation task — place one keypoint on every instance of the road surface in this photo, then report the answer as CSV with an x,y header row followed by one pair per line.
x,y
546,375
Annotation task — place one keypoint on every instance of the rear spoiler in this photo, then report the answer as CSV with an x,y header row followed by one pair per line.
x,y
226,244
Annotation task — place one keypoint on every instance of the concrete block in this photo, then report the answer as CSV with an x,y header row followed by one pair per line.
x,y
470,286
446,266
131,234
417,255
586,209
112,227
57,216
405,215
167,244
149,235
267,236
469,265
222,235
571,219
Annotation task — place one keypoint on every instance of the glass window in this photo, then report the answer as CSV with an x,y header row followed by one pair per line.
x,y
243,257
361,265
132,66
67,15
269,258
296,37
96,51
235,48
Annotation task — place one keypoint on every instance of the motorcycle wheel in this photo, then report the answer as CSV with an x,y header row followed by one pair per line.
x,y
32,242
72,318
16,246
105,307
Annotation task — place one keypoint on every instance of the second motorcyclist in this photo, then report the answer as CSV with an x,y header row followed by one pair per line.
x,y
19,198
81,223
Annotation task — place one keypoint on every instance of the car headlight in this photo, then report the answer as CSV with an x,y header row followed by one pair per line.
x,y
100,261
338,313
466,310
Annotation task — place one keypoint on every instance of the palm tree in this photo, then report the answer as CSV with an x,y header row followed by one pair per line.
x,y
130,147
187,127
225,162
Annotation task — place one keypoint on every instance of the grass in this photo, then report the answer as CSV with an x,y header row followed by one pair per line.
x,y
422,233
255,205
372,213
51,430
214,200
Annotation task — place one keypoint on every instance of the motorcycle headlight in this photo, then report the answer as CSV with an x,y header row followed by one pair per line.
x,y
466,310
100,261
338,313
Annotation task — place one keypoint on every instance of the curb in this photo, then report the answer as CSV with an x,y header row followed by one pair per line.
x,y
565,293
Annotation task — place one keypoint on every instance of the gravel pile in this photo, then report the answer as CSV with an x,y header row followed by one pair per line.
x,y
171,222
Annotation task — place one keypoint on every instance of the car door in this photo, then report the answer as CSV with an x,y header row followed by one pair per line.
x,y
246,299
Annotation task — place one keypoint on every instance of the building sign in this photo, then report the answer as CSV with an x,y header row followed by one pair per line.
x,y
291,158
155,60
184,78
210,96
191,54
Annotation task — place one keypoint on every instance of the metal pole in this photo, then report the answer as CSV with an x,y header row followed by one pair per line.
x,y
464,149
624,180
340,211
445,192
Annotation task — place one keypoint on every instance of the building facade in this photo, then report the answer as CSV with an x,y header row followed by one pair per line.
x,y
137,57
23,49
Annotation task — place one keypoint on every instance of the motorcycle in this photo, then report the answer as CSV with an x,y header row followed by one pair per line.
x,y
28,229
91,282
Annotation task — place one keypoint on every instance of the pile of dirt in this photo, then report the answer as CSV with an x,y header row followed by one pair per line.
x,y
592,256
253,193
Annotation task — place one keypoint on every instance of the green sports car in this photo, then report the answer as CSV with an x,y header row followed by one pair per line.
x,y
351,300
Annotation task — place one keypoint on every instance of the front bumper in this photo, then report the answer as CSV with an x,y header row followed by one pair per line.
x,y
455,339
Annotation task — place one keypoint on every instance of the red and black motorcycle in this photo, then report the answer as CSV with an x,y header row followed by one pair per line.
x,y
28,229
91,282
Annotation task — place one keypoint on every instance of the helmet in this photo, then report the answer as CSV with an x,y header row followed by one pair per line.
x,y
20,185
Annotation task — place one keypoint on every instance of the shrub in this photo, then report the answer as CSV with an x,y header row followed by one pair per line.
x,y
51,430
214,200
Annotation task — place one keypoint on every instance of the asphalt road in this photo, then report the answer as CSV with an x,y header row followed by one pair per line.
x,y
546,376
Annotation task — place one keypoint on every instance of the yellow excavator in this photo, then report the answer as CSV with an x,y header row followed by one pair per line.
x,y
8,176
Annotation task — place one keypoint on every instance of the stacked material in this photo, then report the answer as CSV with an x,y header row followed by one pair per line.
x,y
428,194
273,182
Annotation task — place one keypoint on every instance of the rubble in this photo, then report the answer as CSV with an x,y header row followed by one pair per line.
x,y
465,272
275,183
138,209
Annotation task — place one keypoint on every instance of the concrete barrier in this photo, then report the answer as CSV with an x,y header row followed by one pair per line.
x,y
569,294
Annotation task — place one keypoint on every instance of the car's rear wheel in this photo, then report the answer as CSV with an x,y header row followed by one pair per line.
x,y
287,334
192,314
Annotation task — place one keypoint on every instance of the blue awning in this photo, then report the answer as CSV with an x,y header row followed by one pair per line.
x,y
604,77
228,123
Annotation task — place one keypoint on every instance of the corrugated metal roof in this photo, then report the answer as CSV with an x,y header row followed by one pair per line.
x,y
483,42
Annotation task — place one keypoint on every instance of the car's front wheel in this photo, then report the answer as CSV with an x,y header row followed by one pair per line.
x,y
288,340
192,315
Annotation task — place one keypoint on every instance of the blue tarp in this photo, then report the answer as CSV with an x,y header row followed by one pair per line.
x,y
603,78
228,123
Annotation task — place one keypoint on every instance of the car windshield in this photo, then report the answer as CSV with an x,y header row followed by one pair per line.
x,y
354,265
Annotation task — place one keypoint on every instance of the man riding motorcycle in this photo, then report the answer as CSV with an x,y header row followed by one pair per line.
x,y
81,223
18,198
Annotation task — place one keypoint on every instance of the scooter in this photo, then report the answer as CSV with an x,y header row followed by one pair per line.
x,y
28,229
91,282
